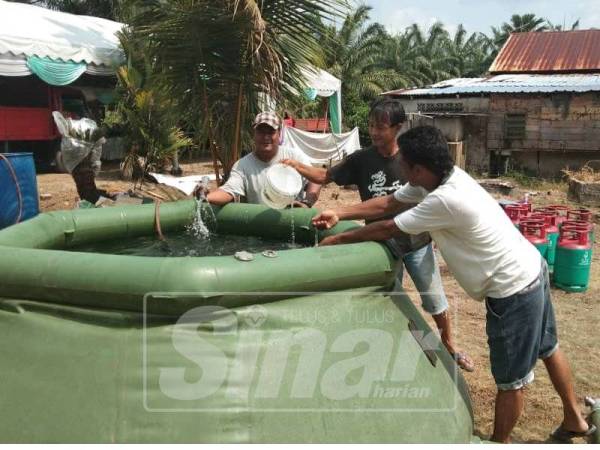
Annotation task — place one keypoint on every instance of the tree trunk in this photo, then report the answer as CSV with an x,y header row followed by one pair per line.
x,y
238,125
85,181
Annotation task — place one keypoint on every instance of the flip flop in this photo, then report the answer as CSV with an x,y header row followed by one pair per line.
x,y
562,435
463,361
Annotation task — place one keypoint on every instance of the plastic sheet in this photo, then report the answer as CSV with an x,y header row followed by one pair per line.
x,y
321,368
75,150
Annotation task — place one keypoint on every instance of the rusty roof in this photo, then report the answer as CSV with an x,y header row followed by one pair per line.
x,y
549,52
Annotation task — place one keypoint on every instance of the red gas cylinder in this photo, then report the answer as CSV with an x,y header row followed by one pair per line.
x,y
561,212
515,213
535,232
549,218
584,215
527,205
581,225
552,231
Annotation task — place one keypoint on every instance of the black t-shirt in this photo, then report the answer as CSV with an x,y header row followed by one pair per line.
x,y
375,176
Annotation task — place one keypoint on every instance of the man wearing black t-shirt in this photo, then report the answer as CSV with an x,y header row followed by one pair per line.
x,y
376,172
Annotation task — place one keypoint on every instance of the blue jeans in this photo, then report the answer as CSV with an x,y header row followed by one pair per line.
x,y
521,328
425,273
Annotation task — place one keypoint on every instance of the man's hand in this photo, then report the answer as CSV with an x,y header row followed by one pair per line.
x,y
297,204
325,220
201,191
290,162
330,240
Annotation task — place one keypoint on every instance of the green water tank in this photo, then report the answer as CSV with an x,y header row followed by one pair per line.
x,y
307,346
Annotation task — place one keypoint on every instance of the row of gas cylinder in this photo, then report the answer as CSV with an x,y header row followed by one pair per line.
x,y
563,236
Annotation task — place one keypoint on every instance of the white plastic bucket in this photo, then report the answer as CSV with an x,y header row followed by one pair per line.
x,y
282,186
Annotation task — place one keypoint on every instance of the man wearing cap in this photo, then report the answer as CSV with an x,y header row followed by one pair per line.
x,y
248,175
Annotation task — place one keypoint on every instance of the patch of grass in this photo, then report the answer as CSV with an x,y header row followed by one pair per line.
x,y
524,180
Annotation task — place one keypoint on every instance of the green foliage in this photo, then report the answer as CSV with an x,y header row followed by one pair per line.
x,y
221,59
151,133
357,115
214,63
107,9
518,24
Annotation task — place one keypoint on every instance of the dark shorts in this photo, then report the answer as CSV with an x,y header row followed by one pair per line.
x,y
521,328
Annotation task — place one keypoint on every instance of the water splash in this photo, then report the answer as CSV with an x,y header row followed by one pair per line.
x,y
316,237
293,225
198,228
212,223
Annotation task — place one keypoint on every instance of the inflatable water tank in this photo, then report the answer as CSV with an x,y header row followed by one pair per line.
x,y
305,345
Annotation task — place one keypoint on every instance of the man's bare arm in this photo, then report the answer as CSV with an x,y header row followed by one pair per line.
x,y
312,193
377,231
373,209
316,175
219,197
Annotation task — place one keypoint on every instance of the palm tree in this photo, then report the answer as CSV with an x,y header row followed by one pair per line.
x,y
471,54
518,24
553,27
221,58
419,58
355,54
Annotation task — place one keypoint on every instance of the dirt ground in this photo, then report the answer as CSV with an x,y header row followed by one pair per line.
x,y
577,314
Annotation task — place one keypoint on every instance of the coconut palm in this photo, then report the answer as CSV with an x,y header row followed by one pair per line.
x,y
221,58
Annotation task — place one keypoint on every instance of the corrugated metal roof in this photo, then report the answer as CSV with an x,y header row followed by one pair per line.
x,y
507,84
549,51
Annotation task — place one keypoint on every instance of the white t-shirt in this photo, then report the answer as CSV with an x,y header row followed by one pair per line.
x,y
247,177
483,249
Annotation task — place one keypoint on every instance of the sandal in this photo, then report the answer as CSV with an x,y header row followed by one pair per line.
x,y
562,435
463,361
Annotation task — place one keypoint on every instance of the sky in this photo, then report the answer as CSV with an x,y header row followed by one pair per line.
x,y
480,15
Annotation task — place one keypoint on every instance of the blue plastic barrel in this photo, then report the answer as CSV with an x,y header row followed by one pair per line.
x,y
18,188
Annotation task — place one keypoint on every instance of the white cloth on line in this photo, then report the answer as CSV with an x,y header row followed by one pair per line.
x,y
322,148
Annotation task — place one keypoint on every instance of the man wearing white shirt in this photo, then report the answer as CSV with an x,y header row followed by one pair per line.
x,y
489,258
248,175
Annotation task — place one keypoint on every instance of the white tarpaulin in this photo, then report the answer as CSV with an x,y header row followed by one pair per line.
x,y
322,148
184,184
13,66
27,31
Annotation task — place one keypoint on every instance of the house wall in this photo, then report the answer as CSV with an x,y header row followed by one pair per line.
x,y
561,130
476,143
460,119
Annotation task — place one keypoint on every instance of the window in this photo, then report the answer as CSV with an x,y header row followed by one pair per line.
x,y
514,127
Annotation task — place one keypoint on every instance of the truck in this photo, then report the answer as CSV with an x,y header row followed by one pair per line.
x,y
26,123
